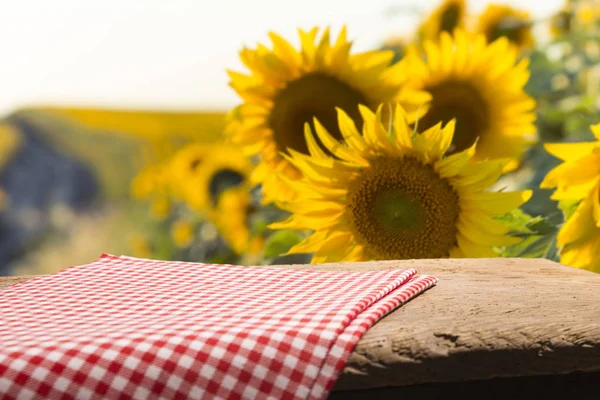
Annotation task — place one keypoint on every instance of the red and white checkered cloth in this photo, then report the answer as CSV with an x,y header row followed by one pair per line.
x,y
124,327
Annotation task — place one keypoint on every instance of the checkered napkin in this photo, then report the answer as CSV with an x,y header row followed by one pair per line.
x,y
124,327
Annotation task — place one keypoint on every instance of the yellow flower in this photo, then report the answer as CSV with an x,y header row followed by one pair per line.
x,y
578,178
160,207
224,167
184,166
10,140
587,13
504,21
561,23
287,88
149,181
257,245
480,86
231,218
182,233
447,17
395,195
396,44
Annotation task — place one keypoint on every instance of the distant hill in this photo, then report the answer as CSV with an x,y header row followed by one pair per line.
x,y
117,143
78,159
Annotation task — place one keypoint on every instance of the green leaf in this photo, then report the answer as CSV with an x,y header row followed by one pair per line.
x,y
538,233
541,226
568,207
281,242
516,220
533,247
259,226
523,225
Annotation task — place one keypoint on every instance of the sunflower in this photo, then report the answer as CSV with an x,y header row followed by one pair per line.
x,y
578,179
182,232
223,167
396,44
395,194
230,216
561,23
184,165
587,14
10,141
160,207
451,14
287,88
150,181
481,85
504,21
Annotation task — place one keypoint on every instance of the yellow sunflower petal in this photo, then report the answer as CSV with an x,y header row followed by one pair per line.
x,y
472,250
335,147
454,164
577,173
402,133
570,151
373,131
477,234
496,203
349,131
579,225
596,131
310,244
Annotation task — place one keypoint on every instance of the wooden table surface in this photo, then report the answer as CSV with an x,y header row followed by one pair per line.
x,y
487,318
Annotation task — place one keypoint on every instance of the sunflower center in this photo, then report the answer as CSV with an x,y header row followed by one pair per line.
x,y
450,18
400,208
222,180
460,100
313,95
510,27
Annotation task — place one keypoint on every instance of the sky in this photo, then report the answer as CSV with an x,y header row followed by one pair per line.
x,y
171,54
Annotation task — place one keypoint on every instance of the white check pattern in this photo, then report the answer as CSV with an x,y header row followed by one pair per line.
x,y
122,327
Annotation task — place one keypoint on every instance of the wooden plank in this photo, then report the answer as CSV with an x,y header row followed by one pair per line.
x,y
487,318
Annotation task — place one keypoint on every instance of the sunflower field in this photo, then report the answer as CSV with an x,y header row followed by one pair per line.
x,y
477,136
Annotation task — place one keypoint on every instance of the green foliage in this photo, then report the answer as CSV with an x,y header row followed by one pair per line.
x,y
281,242
568,207
538,234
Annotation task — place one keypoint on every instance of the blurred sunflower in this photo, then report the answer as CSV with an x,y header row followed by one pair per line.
x,y
182,232
287,88
10,141
160,207
587,13
479,85
498,21
230,216
150,181
578,179
395,195
396,44
561,23
184,165
224,167
451,14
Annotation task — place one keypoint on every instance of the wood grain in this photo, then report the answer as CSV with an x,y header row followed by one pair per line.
x,y
487,318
